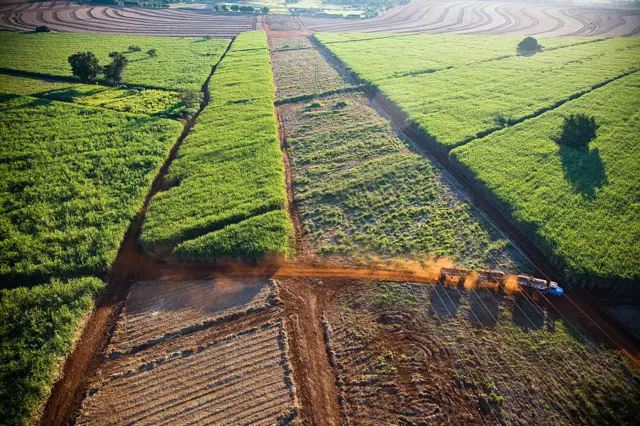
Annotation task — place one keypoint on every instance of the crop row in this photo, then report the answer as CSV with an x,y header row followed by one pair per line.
x,y
240,379
137,101
228,195
183,306
180,62
579,204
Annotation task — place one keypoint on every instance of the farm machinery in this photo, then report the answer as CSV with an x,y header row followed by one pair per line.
x,y
551,287
452,272
499,277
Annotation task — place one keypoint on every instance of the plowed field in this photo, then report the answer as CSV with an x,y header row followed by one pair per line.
x,y
239,379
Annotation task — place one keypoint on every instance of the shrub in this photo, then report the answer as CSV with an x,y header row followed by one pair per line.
x,y
113,72
577,131
43,29
134,48
85,65
529,44
152,53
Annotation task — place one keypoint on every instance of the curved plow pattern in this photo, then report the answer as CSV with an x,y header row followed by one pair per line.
x,y
429,16
420,16
65,16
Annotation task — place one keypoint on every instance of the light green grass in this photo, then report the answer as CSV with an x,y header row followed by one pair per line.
x,y
181,62
71,179
581,206
37,328
229,169
138,101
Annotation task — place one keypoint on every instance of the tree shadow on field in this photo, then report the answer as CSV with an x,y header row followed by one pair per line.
x,y
583,169
69,95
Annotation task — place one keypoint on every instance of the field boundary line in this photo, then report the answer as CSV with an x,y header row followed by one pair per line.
x,y
308,97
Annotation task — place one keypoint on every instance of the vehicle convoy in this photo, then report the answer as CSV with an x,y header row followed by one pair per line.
x,y
494,276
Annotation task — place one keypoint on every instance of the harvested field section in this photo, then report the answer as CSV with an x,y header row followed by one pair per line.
x,y
303,72
289,43
488,17
240,379
406,353
156,310
361,191
66,16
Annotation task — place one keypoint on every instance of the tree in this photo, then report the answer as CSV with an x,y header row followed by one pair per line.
x,y
42,29
265,10
216,7
191,100
152,53
113,72
577,131
134,48
224,8
85,65
235,7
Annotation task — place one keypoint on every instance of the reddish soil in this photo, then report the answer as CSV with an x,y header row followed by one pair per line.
x,y
313,375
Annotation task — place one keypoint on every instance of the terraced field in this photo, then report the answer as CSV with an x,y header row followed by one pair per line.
x,y
242,378
100,19
428,16
420,16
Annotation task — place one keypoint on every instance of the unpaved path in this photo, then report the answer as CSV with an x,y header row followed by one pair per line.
x,y
313,375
